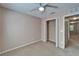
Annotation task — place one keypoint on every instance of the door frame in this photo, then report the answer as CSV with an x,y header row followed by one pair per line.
x,y
57,33
68,32
70,14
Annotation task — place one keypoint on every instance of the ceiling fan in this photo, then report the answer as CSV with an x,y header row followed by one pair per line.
x,y
42,7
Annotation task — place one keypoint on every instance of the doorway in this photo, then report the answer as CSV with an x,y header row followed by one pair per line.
x,y
72,30
51,31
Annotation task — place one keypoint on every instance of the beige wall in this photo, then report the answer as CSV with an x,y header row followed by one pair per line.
x,y
19,29
1,29
61,26
77,27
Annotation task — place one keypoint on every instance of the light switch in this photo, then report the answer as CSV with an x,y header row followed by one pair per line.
x,y
61,31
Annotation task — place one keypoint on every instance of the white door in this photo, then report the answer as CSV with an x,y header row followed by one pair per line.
x,y
52,31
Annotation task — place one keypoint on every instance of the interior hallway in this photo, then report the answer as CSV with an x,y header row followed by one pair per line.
x,y
74,40
45,49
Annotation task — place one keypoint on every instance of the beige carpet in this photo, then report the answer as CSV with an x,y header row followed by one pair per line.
x,y
46,49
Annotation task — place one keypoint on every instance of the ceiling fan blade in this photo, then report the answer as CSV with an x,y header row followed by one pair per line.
x,y
40,4
44,9
51,6
52,13
34,9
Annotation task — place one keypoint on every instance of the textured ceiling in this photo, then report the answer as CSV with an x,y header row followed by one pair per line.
x,y
27,7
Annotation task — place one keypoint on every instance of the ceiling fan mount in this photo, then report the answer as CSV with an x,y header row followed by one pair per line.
x,y
41,8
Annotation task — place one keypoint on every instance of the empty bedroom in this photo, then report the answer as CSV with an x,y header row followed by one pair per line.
x,y
35,29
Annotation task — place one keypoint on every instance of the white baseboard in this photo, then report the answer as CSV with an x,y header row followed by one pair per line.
x,y
51,40
18,47
43,40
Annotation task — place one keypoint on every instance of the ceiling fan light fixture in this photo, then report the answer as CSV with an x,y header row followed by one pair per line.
x,y
41,9
72,22
74,18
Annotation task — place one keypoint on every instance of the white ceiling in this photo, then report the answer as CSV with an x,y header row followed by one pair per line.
x,y
27,7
